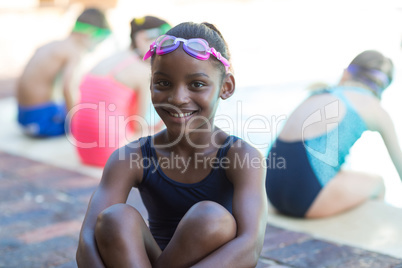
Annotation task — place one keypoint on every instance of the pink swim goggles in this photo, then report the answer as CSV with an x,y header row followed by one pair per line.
x,y
195,47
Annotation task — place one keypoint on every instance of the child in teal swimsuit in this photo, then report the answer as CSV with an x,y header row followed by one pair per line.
x,y
318,136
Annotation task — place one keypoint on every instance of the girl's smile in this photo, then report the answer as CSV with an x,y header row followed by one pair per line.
x,y
179,116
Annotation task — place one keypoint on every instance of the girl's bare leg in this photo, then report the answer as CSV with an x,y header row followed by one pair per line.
x,y
204,228
347,190
123,238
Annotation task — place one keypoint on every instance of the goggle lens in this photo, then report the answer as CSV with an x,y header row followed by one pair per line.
x,y
197,48
165,44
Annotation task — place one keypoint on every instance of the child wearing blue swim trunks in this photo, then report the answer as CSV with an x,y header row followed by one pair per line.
x,y
38,114
318,135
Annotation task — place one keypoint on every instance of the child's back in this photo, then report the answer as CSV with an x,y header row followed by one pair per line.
x,y
37,82
38,113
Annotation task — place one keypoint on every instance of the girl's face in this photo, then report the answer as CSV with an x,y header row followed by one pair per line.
x,y
143,42
186,91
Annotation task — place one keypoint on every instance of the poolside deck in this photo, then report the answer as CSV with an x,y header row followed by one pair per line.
x,y
42,207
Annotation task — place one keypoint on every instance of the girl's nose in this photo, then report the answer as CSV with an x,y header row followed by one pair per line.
x,y
179,96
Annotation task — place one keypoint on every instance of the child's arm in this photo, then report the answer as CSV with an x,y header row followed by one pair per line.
x,y
388,133
117,180
141,75
68,76
250,210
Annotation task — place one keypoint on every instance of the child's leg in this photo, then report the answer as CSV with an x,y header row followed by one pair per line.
x,y
205,227
123,238
345,191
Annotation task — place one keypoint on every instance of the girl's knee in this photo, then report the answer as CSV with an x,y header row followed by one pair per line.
x,y
112,221
211,219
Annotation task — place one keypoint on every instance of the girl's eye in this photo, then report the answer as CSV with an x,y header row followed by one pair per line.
x,y
197,84
163,83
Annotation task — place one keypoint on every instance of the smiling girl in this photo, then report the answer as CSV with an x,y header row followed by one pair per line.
x,y
204,210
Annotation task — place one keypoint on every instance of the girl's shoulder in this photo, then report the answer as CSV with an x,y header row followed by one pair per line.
x,y
368,107
137,147
241,149
126,155
125,163
244,161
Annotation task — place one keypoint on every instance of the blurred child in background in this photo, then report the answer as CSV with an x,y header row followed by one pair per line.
x,y
317,138
115,97
38,113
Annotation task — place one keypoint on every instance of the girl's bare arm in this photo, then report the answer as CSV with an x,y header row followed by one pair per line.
x,y
247,173
119,176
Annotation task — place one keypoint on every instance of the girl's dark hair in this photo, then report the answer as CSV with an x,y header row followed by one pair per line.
x,y
144,23
94,17
205,31
370,60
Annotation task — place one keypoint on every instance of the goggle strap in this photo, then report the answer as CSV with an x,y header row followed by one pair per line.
x,y
375,73
150,52
219,56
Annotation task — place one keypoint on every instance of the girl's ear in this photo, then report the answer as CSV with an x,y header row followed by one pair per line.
x,y
228,86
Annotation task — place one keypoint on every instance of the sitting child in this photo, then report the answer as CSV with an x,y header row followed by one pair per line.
x,y
114,97
38,114
205,210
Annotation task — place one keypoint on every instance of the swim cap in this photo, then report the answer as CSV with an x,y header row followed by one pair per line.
x,y
373,69
94,31
153,25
